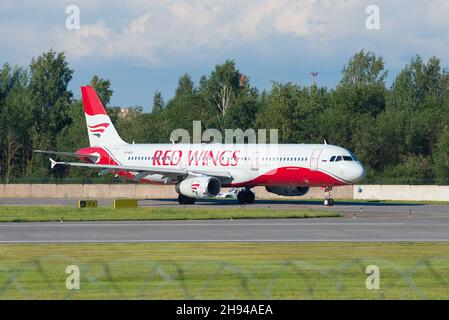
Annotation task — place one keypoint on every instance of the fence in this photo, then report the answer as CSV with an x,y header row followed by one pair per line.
x,y
145,191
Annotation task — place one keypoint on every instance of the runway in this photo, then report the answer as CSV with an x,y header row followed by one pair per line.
x,y
364,222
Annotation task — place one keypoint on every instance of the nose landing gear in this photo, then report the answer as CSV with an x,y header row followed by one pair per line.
x,y
328,201
246,196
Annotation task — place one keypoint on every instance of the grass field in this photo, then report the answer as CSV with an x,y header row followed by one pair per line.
x,y
356,201
35,213
225,271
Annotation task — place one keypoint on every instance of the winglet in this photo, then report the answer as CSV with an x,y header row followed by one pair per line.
x,y
53,162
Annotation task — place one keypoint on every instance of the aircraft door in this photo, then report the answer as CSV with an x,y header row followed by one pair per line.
x,y
255,162
183,161
314,159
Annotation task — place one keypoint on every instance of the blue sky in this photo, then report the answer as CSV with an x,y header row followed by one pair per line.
x,y
146,45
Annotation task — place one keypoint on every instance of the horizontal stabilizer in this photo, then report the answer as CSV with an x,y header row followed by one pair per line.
x,y
53,162
69,154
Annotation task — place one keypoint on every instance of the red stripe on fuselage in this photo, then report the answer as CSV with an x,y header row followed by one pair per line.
x,y
292,176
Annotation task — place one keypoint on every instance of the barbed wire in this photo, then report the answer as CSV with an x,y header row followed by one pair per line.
x,y
304,277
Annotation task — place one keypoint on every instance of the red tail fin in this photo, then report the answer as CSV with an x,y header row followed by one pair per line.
x,y
92,105
100,129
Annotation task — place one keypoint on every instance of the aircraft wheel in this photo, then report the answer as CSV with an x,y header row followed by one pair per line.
x,y
250,196
329,202
182,199
246,196
241,197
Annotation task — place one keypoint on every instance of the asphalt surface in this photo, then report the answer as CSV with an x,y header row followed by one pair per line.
x,y
369,221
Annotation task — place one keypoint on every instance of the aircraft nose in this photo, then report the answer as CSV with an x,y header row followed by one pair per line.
x,y
358,173
354,172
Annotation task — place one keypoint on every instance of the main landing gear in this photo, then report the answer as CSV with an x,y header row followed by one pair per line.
x,y
246,196
182,199
328,201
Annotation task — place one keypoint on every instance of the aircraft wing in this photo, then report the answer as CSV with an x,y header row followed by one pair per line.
x,y
141,172
69,154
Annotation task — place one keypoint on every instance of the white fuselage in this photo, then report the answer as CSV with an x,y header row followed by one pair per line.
x,y
253,164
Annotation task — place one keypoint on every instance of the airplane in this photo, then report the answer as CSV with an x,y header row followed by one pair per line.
x,y
200,171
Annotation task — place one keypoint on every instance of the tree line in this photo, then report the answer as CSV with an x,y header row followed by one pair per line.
x,y
400,132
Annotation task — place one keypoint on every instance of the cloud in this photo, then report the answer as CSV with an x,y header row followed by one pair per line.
x,y
138,25
156,32
90,39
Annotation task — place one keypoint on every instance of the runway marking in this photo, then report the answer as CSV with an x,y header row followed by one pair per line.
x,y
220,240
223,224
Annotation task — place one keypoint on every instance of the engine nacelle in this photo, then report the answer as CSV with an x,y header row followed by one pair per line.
x,y
199,187
288,191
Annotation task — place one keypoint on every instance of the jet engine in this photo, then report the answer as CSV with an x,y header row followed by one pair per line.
x,y
199,187
288,191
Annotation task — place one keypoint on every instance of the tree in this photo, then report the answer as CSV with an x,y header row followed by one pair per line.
x,y
129,125
420,92
15,121
364,68
50,75
12,148
243,113
224,84
103,89
441,158
185,86
400,133
158,102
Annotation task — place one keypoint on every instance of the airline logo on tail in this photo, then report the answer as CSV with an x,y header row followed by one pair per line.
x,y
97,130
98,121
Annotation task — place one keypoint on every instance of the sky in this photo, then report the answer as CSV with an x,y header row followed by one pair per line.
x,y
146,45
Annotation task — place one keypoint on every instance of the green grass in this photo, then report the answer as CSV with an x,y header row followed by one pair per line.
x,y
225,271
35,213
361,201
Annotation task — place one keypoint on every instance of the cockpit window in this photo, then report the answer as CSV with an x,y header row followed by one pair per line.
x,y
353,156
341,158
